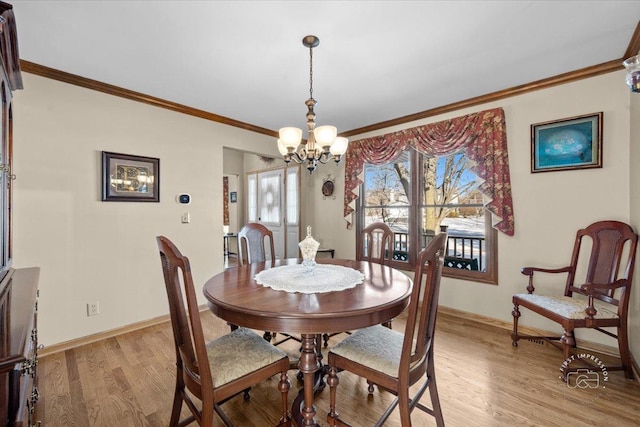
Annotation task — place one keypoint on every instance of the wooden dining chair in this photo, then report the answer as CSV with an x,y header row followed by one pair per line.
x,y
600,300
215,371
251,249
374,245
392,360
251,244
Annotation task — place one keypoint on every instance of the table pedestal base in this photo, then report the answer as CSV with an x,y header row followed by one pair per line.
x,y
311,373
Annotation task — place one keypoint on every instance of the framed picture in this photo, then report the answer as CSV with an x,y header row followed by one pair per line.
x,y
572,143
127,178
233,196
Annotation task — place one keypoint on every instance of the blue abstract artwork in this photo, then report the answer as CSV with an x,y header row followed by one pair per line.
x,y
566,144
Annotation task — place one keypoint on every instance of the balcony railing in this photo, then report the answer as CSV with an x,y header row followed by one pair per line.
x,y
462,251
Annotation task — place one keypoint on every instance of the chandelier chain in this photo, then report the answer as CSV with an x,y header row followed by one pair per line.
x,y
310,72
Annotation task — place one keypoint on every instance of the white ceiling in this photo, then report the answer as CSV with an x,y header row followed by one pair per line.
x,y
377,60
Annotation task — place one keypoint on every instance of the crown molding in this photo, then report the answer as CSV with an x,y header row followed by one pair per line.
x,y
41,70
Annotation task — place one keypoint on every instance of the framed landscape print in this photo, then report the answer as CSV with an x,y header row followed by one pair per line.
x,y
128,178
572,143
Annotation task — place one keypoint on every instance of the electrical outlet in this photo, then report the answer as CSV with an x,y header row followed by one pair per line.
x,y
93,308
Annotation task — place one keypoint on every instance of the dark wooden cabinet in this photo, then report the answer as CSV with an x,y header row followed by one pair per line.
x,y
18,288
19,347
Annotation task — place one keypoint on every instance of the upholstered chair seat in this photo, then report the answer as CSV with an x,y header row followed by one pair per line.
x,y
377,347
570,307
256,354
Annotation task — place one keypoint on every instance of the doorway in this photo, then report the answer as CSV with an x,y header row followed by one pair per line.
x,y
273,200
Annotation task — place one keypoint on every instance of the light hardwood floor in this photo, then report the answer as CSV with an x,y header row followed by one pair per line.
x,y
482,380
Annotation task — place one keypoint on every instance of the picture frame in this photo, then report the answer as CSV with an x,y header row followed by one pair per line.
x,y
129,178
567,144
233,197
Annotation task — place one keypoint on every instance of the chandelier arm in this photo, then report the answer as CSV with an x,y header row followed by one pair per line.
x,y
296,157
324,158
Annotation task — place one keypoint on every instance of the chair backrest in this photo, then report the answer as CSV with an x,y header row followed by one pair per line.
x,y
251,244
613,253
421,319
376,244
188,336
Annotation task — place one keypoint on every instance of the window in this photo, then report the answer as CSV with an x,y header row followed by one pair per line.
x,y
415,195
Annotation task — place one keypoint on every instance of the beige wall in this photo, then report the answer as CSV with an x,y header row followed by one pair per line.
x,y
549,207
106,251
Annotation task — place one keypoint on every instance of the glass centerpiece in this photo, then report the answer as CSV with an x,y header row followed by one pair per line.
x,y
309,248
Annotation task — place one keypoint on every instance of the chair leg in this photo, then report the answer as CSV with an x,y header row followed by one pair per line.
x,y
433,392
516,315
177,398
333,381
568,342
403,404
283,386
625,355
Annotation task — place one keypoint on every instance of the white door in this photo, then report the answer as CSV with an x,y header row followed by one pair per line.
x,y
273,201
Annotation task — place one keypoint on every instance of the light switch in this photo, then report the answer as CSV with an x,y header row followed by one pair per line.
x,y
186,218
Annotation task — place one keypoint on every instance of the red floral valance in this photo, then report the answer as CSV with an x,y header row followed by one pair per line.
x,y
482,136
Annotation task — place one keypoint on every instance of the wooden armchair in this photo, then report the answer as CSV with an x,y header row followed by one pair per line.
x,y
392,360
216,371
600,301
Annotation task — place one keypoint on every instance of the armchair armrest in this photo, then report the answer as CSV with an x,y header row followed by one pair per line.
x,y
592,289
528,271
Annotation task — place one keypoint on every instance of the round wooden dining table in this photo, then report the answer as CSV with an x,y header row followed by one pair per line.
x,y
235,296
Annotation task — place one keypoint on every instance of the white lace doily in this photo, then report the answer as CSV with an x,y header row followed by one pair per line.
x,y
323,278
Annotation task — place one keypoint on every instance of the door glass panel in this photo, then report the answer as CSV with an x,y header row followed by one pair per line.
x,y
252,198
292,197
269,199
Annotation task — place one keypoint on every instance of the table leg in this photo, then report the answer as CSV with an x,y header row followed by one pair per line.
x,y
308,366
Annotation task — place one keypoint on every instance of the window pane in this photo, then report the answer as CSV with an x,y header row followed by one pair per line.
x,y
386,198
466,245
451,198
449,180
389,184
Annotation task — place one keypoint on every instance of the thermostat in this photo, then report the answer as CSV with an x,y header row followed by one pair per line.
x,y
183,199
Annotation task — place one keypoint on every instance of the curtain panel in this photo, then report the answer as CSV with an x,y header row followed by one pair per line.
x,y
483,138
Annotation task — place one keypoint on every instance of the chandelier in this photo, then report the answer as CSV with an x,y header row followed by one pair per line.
x,y
633,72
323,143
